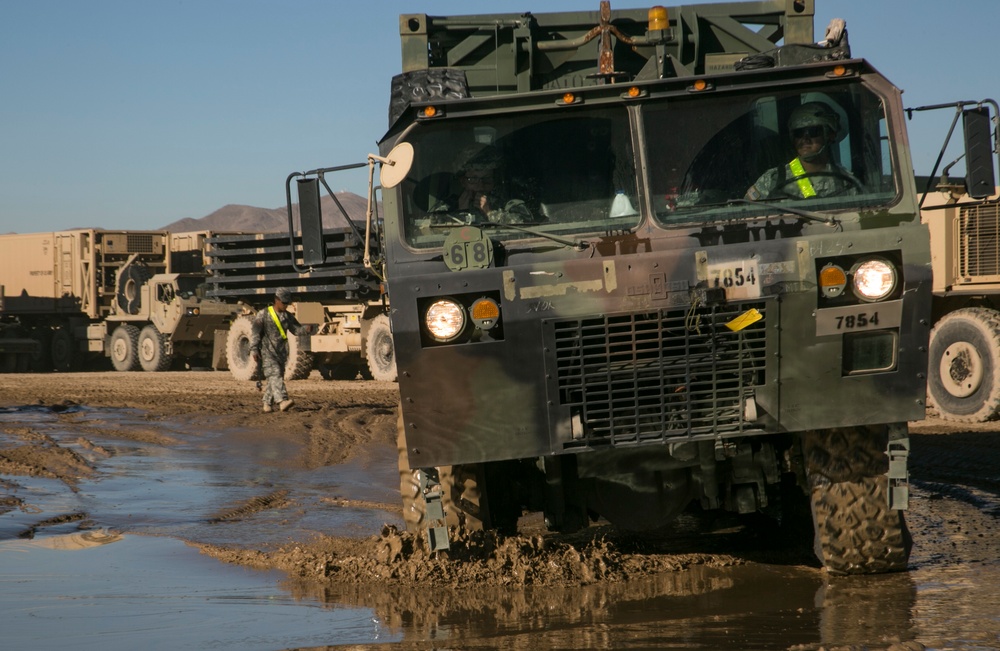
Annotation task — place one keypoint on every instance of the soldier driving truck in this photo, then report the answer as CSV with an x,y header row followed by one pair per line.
x,y
650,340
814,129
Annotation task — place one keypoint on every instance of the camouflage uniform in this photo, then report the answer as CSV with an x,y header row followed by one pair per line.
x,y
832,182
266,340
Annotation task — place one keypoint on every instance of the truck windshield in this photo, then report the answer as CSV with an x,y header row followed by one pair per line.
x,y
709,156
557,173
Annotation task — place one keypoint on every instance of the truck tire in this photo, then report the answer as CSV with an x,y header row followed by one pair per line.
x,y
241,364
152,348
41,362
425,85
963,379
130,282
300,359
124,348
379,350
414,506
64,354
855,530
15,362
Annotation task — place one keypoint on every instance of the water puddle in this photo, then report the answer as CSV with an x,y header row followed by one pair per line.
x,y
141,592
100,563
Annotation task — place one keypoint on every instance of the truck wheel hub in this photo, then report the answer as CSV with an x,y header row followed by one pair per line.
x,y
961,369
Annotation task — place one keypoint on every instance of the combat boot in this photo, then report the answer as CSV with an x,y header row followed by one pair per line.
x,y
268,409
285,405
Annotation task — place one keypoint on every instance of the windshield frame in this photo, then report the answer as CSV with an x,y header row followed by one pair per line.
x,y
881,188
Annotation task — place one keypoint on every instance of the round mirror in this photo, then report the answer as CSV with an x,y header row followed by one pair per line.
x,y
398,166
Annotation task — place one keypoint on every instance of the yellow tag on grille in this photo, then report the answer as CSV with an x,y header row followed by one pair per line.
x,y
749,317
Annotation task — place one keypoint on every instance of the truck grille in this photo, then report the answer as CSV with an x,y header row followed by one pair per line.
x,y
656,376
979,227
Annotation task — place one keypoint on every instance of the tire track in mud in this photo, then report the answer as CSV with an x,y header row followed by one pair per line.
x,y
53,521
276,500
41,456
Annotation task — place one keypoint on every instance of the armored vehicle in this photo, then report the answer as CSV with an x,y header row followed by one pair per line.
x,y
643,261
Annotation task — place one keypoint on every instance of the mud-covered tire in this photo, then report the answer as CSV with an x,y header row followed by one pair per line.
x,y
124,348
414,506
855,530
152,348
483,498
963,379
300,359
130,282
379,351
241,364
423,86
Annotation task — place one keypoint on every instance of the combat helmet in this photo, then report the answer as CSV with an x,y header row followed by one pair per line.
x,y
815,114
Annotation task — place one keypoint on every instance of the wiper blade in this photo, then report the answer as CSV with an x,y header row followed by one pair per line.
x,y
798,212
579,246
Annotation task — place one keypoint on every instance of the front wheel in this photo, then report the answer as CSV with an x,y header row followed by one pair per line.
x,y
855,530
963,380
379,350
241,363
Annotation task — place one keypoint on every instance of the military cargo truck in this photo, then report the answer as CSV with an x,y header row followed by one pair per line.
x,y
964,364
69,297
622,287
343,304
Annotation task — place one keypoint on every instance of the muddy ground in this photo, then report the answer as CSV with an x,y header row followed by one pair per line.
x,y
330,424
340,423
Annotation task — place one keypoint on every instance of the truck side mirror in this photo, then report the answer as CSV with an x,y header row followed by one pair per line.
x,y
311,221
979,170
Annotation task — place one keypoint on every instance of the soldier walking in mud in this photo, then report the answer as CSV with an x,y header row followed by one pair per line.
x,y
269,346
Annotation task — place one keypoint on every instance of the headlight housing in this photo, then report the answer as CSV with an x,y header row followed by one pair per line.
x,y
444,319
874,279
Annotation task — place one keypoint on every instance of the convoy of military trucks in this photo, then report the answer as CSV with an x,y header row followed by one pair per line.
x,y
154,300
592,313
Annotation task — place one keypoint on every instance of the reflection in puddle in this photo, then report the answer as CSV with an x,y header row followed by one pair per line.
x,y
121,590
156,593
66,542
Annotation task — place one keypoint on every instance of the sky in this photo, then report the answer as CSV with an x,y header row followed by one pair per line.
x,y
132,114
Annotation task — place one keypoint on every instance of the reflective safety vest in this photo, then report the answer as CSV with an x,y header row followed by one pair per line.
x,y
805,185
277,322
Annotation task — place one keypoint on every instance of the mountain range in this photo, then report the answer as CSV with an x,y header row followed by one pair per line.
x,y
234,217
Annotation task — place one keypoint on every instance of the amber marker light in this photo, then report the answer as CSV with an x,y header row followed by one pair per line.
x,y
658,19
699,85
429,111
840,70
633,91
485,313
832,280
568,98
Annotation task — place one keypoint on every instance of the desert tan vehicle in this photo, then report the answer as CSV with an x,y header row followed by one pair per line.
x,y
343,305
964,361
72,297
168,318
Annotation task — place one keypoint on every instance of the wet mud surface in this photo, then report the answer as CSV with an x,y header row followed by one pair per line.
x,y
164,510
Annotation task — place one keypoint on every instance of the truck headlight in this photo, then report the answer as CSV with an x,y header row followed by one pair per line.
x,y
444,319
874,279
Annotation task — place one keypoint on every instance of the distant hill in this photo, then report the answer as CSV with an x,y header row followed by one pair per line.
x,y
268,220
